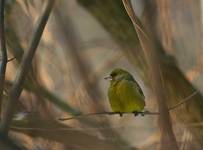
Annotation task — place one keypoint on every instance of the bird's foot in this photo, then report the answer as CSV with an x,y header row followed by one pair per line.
x,y
135,113
142,113
120,113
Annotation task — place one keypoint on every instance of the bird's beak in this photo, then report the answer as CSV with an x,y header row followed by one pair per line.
x,y
108,77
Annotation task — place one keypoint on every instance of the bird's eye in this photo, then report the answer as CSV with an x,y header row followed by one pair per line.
x,y
113,74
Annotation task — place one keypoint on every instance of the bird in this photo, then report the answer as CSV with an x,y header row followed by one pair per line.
x,y
124,93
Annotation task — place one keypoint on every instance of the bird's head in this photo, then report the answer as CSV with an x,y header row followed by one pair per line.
x,y
119,74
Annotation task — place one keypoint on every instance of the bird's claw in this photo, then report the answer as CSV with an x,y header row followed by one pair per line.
x,y
142,113
120,113
135,113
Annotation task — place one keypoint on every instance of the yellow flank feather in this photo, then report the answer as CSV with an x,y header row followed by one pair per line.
x,y
125,95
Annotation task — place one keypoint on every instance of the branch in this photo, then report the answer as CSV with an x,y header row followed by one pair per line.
x,y
3,52
168,140
11,59
99,113
24,67
183,101
142,113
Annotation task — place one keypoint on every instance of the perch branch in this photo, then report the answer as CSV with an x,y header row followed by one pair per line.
x,y
99,113
142,113
11,59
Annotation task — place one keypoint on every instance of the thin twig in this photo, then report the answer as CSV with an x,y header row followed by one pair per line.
x,y
143,113
131,14
3,52
11,59
18,128
23,70
108,113
91,114
183,101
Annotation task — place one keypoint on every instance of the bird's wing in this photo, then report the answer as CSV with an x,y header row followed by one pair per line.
x,y
130,95
139,88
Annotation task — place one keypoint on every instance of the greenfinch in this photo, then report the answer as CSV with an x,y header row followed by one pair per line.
x,y
124,93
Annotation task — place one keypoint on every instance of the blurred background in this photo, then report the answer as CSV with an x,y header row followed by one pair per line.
x,y
82,42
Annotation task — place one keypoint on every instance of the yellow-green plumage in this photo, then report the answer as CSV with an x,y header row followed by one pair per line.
x,y
125,95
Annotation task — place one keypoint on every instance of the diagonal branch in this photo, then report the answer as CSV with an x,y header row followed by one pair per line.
x,y
11,59
23,69
168,141
3,52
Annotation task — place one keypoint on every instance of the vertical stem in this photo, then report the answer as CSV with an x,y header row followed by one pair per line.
x,y
3,52
23,69
168,141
